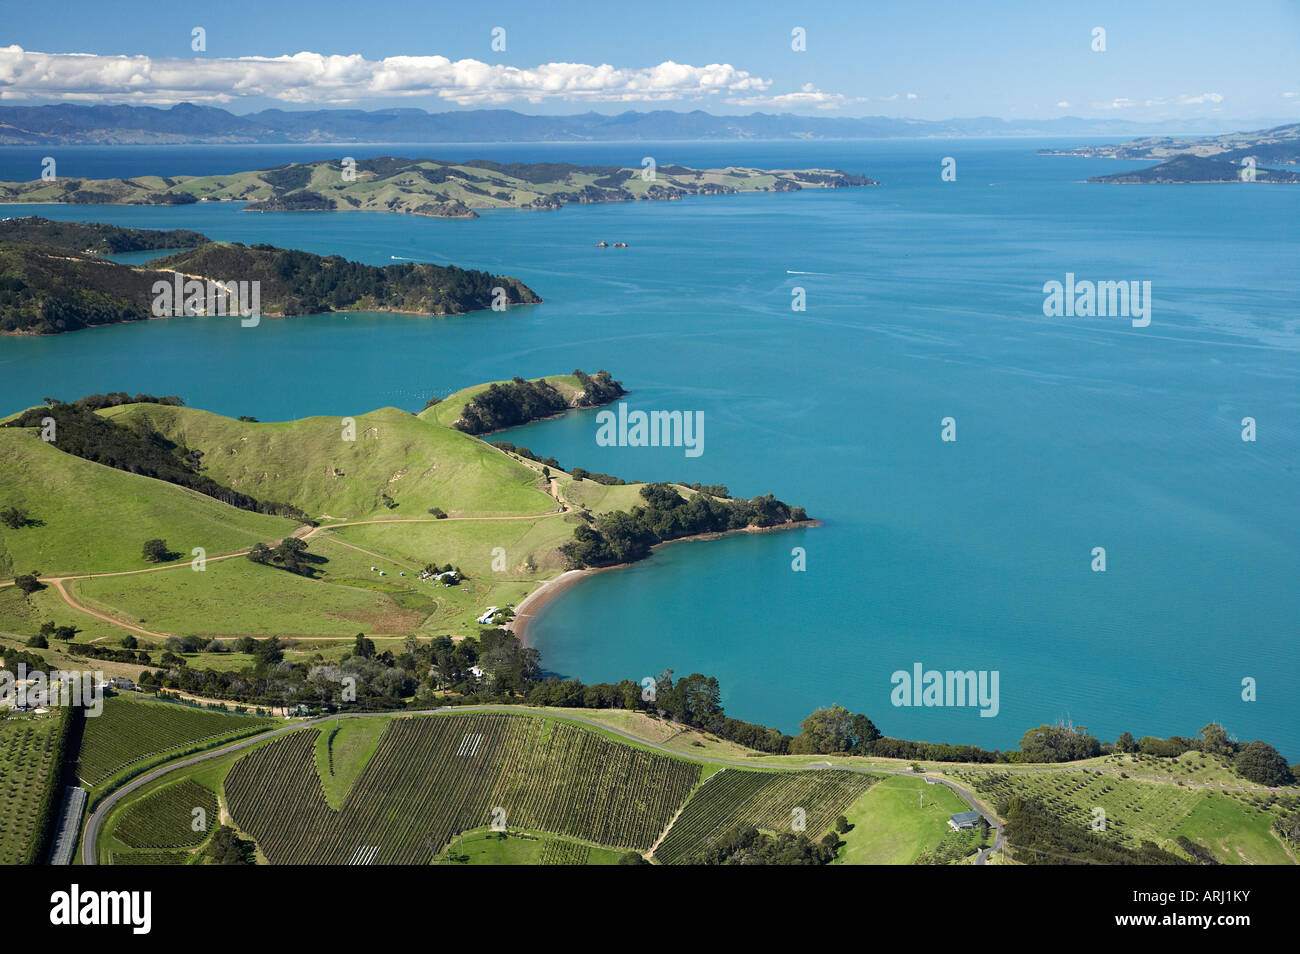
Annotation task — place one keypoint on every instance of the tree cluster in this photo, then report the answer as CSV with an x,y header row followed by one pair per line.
x,y
624,537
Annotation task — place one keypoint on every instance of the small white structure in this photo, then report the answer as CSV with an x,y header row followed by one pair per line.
x,y
486,618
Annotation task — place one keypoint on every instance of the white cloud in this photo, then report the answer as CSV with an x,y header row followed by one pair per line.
x,y
1290,95
1186,100
1063,104
319,78
911,96
808,95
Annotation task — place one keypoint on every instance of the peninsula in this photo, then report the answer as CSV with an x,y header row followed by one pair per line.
x,y
53,279
1192,169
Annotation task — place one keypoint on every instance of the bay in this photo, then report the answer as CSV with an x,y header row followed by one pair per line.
x,y
924,301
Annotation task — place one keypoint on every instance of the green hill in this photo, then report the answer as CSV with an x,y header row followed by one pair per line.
x,y
89,518
416,462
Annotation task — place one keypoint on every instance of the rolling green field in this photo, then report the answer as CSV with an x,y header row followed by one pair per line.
x,y
236,597
131,734
30,748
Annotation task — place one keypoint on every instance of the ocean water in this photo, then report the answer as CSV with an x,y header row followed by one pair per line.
x,y
924,301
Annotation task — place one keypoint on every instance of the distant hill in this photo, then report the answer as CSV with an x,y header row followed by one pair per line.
x,y
1277,146
430,187
1187,169
68,123
49,289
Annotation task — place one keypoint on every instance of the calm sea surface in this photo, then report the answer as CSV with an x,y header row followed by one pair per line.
x,y
924,301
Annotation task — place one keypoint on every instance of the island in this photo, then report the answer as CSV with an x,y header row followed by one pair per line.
x,y
1192,169
53,279
429,187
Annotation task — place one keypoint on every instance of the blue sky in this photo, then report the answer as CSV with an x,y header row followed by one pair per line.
x,y
926,60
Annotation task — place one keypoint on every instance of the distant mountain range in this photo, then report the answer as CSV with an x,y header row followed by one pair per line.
x,y
68,124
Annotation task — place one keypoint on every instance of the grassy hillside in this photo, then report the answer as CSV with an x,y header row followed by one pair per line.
x,y
240,598
93,519
417,463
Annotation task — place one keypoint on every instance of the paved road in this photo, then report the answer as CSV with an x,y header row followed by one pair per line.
x,y
93,825
65,838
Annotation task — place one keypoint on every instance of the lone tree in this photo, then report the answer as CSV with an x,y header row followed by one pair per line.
x,y
15,518
155,550
28,583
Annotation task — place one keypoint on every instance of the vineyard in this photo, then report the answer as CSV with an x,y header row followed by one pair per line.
x,y
166,818
30,753
766,800
432,777
562,852
150,858
128,731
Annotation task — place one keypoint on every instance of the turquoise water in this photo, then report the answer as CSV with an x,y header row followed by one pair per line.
x,y
924,301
